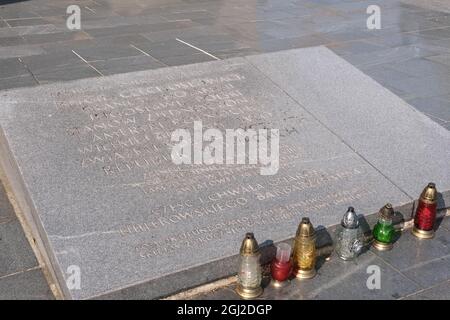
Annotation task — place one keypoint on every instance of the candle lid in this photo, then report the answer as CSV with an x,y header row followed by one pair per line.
x,y
429,194
283,252
350,219
249,245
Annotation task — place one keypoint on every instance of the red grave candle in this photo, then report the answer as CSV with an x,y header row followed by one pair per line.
x,y
281,266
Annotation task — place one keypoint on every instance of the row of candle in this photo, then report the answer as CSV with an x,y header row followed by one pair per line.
x,y
349,243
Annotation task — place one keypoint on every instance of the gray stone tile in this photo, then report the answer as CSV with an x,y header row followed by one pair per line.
x,y
438,107
3,24
122,65
193,15
403,258
30,285
129,23
140,28
338,279
442,59
306,41
354,47
272,45
50,61
430,273
441,33
227,54
170,48
388,55
12,67
186,59
15,251
184,33
65,74
11,41
424,87
128,39
19,51
26,22
29,30
15,12
17,82
226,293
347,35
445,223
105,52
420,26
396,40
384,74
56,37
222,46
421,68
439,292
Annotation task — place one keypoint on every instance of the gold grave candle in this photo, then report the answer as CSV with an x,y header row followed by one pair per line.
x,y
304,258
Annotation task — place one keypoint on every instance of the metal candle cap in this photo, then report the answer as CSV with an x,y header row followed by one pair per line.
x,y
387,212
429,194
249,245
305,229
350,219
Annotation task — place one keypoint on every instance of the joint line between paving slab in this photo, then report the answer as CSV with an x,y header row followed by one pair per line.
x,y
147,54
91,10
85,61
28,69
198,49
424,290
20,272
331,131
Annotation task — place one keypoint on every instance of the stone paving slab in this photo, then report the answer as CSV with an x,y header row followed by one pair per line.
x,y
93,216
29,285
439,292
15,252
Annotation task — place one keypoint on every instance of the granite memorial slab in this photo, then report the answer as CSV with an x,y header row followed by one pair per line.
x,y
91,165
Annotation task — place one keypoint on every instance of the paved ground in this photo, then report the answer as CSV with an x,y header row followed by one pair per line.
x,y
410,55
21,277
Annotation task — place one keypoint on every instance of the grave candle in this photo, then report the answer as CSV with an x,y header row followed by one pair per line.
x,y
250,273
384,231
304,258
349,240
425,216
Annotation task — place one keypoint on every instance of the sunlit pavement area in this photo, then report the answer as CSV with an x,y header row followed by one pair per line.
x,y
409,55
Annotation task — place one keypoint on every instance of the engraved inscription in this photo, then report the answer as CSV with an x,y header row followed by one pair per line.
x,y
126,135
